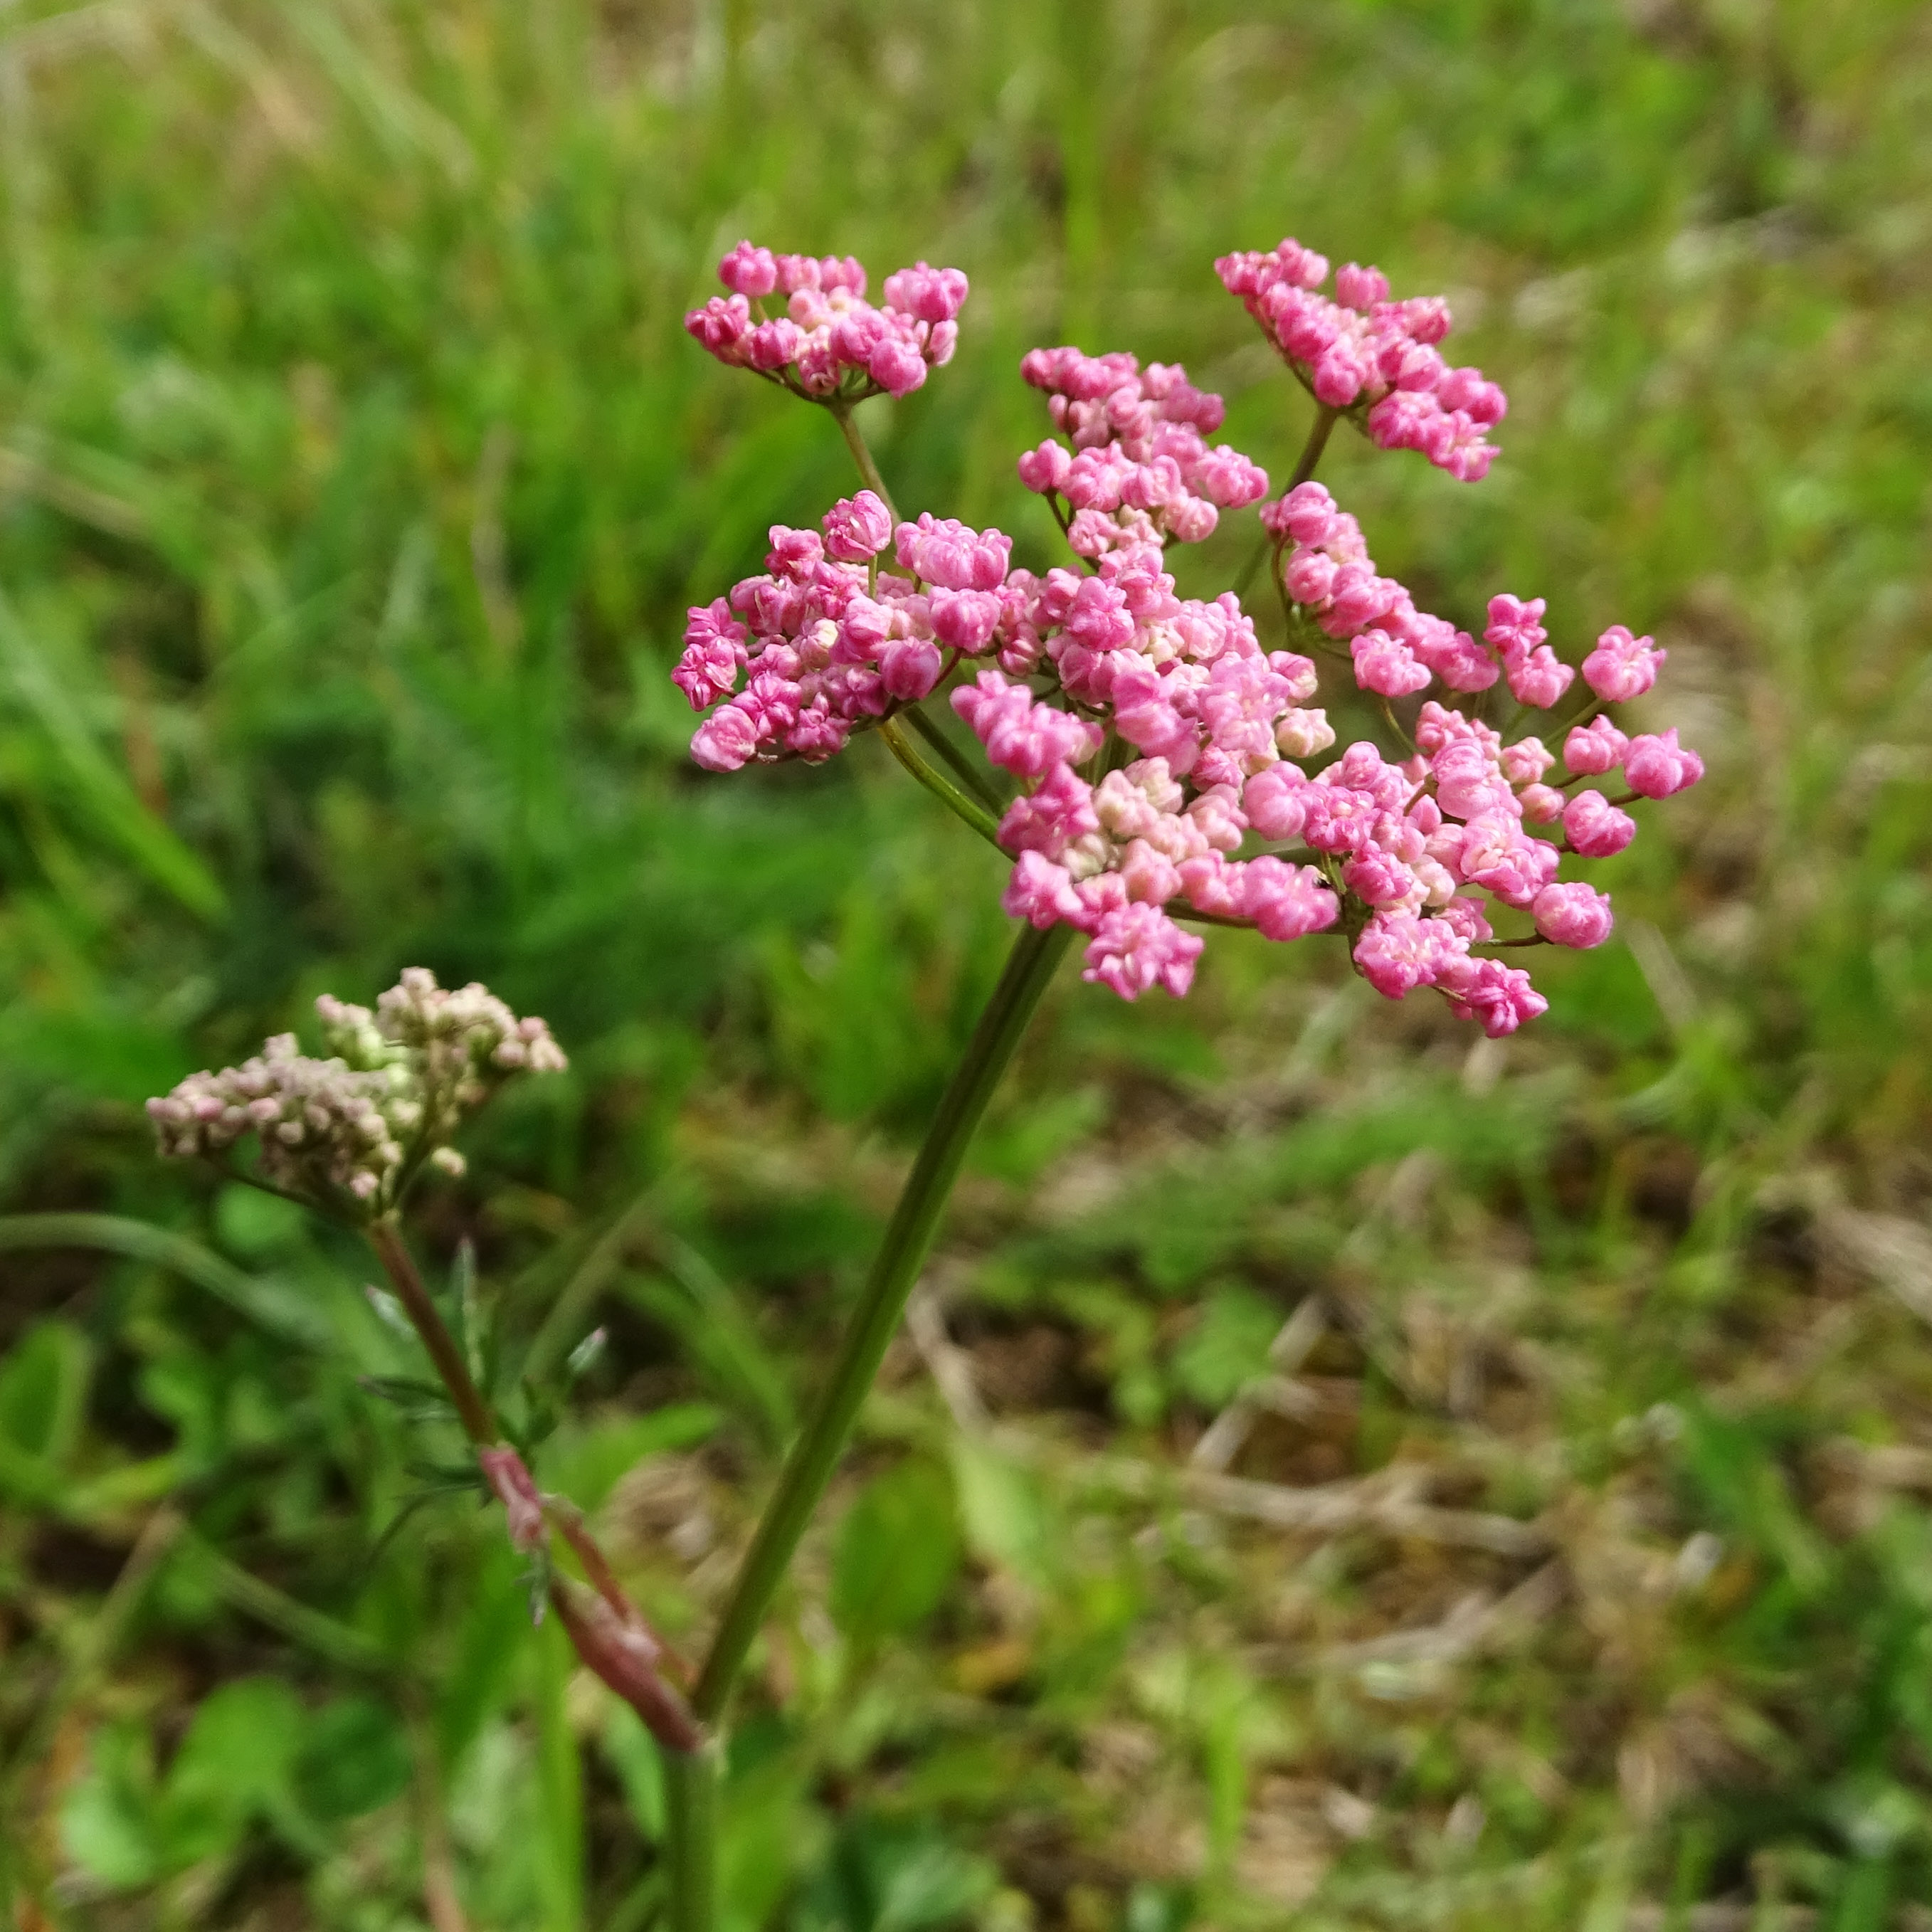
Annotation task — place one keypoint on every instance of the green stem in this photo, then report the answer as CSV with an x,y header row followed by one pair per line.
x,y
862,454
941,787
1256,558
691,1823
1029,967
1311,450
478,1424
974,781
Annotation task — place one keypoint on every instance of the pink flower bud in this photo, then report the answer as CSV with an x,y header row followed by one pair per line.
x,y
1309,576
1022,737
1499,996
1540,679
726,740
897,366
1045,468
1379,879
1301,734
1573,915
1273,800
1594,747
794,554
1285,902
721,327
1526,761
965,620
1385,667
707,671
1227,477
1657,766
773,345
1338,377
1360,288
1359,597
1497,855
796,272
1594,827
1099,617
1396,952
1061,809
1465,916
1041,892
1149,875
857,528
1515,628
856,337
1192,521
1218,816
750,271
1621,667
910,667
1138,947
928,295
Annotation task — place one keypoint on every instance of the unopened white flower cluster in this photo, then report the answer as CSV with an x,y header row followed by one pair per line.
x,y
346,1134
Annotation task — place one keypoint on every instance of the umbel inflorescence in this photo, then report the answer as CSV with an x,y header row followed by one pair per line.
x,y
1173,770
347,1133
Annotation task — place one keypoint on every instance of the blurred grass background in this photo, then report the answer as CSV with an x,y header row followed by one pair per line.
x,y
354,473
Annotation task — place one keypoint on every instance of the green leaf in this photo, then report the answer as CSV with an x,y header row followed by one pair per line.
x,y
233,1764
1227,1345
415,1400
634,1752
355,1758
96,785
273,1305
586,1462
933,1885
1004,1509
255,1225
897,1553
106,1823
707,1320
44,1384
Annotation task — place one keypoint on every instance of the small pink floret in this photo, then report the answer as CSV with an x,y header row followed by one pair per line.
x,y
1137,947
1595,828
1621,667
1658,767
1573,915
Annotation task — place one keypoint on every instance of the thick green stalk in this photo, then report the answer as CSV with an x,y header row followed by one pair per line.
x,y
974,778
1029,967
942,787
691,1825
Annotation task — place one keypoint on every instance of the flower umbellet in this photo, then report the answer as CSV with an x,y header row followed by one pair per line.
x,y
1173,768
346,1134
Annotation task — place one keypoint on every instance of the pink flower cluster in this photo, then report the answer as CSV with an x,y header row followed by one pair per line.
x,y
1222,725
1140,469
1188,685
1361,351
826,641
1172,769
828,340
